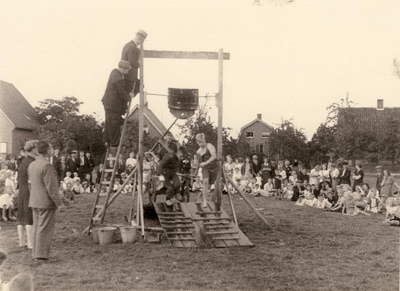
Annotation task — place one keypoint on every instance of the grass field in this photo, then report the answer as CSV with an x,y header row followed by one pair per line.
x,y
307,249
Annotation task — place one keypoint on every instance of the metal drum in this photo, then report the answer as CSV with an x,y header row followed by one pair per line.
x,y
182,103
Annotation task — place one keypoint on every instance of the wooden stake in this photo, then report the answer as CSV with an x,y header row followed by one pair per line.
x,y
229,196
247,200
141,124
219,145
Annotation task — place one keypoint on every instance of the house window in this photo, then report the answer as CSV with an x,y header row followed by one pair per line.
x,y
261,149
265,134
249,134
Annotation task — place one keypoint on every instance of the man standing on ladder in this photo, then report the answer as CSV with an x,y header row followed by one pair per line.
x,y
115,105
131,53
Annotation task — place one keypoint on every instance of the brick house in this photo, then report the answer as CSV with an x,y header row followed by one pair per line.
x,y
370,119
257,133
18,120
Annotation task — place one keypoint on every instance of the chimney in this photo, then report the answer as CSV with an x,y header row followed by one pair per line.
x,y
379,106
259,116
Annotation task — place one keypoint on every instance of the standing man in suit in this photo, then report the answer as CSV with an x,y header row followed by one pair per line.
x,y
345,174
55,162
84,167
44,201
131,53
72,163
379,177
114,101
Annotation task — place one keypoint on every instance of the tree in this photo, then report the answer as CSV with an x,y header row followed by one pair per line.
x,y
322,143
51,110
201,123
390,140
288,142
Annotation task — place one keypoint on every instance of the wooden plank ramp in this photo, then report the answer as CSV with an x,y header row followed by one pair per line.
x,y
208,228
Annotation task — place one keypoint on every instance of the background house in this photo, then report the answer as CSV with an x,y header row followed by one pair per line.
x,y
257,133
18,120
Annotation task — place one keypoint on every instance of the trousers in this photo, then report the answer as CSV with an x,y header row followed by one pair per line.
x,y
112,128
173,184
44,221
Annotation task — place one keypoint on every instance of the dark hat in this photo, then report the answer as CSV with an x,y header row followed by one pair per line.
x,y
74,152
124,64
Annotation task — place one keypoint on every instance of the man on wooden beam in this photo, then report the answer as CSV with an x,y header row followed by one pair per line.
x,y
131,53
115,105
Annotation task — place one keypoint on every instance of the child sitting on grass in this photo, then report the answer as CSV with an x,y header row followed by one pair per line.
x,y
236,177
339,206
311,201
269,187
373,201
67,191
322,202
7,204
77,187
288,191
76,177
391,208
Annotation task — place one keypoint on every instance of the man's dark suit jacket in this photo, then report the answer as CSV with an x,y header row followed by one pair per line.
x,y
55,162
296,192
345,178
85,168
115,98
131,53
72,166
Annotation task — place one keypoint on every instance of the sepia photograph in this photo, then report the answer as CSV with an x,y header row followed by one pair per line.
x,y
199,145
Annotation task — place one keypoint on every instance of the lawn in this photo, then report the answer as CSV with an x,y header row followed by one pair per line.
x,y
307,249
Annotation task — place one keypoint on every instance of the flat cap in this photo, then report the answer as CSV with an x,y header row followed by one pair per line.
x,y
124,64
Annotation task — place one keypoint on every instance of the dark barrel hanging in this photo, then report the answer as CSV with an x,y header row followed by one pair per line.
x,y
183,102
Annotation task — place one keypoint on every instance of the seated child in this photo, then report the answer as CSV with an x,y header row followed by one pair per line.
x,y
62,195
332,199
243,185
77,187
288,192
257,191
252,184
391,208
269,187
307,191
323,203
236,177
7,205
258,179
311,201
85,187
349,204
67,178
197,187
372,201
67,191
76,177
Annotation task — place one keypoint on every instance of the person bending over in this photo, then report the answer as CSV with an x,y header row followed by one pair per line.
x,y
167,171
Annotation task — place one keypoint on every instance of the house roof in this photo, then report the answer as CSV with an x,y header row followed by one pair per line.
x,y
152,118
16,108
370,118
254,121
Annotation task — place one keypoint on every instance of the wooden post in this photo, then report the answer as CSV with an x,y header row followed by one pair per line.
x,y
220,111
229,196
140,160
247,200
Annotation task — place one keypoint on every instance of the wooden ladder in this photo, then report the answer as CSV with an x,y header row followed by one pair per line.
x,y
100,205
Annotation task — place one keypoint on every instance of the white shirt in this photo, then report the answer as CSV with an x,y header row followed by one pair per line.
x,y
131,161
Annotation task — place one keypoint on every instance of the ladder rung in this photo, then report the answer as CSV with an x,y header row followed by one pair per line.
x,y
217,223
225,238
99,206
105,182
179,233
111,159
209,212
182,238
171,213
221,232
210,218
176,222
217,226
109,170
96,218
176,226
167,218
103,195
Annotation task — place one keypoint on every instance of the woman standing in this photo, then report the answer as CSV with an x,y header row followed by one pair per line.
x,y
266,170
209,165
358,177
24,217
387,185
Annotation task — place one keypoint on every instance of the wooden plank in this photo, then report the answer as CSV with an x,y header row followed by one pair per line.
x,y
179,232
227,238
220,223
173,218
177,226
209,212
181,238
171,213
184,55
209,218
196,232
221,232
228,243
160,207
177,222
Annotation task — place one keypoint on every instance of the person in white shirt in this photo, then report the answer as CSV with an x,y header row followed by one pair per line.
x,y
269,187
322,202
314,175
131,160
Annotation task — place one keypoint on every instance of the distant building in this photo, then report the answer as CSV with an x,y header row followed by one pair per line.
x,y
369,119
18,120
257,133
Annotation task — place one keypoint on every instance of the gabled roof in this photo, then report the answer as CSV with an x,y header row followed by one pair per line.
x,y
152,118
254,121
16,108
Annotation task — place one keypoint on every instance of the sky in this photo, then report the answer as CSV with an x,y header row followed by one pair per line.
x,y
288,61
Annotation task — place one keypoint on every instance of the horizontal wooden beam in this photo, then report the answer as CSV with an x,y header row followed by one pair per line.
x,y
184,55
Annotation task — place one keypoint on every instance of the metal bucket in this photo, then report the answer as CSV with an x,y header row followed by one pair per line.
x,y
106,235
128,234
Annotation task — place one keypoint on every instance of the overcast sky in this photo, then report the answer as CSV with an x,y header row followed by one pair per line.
x,y
287,61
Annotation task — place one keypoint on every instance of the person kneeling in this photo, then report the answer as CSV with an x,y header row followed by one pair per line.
x,y
167,171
